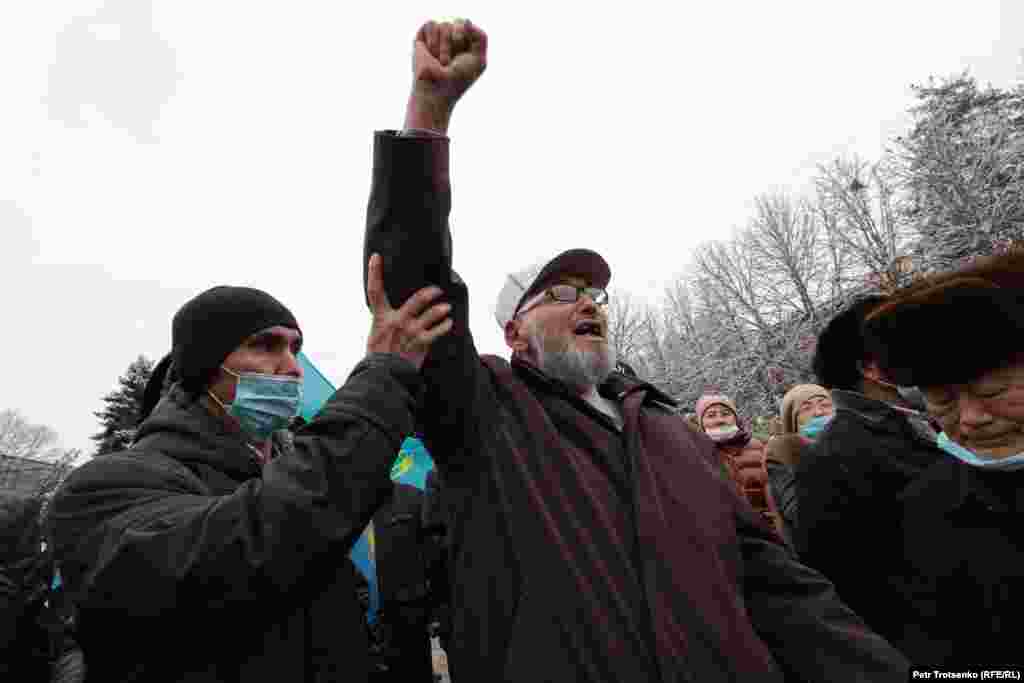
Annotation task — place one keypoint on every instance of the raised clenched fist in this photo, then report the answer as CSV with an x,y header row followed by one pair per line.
x,y
448,57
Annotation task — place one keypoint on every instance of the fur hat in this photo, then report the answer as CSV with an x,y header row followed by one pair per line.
x,y
792,401
953,327
841,348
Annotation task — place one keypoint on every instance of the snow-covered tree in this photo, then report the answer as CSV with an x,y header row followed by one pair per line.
x,y
120,414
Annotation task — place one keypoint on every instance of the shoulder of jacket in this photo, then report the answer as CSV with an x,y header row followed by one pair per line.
x,y
143,467
496,363
661,407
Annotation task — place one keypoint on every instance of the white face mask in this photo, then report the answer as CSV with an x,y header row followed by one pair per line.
x,y
723,433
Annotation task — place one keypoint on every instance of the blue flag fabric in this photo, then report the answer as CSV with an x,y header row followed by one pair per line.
x,y
316,389
413,464
411,467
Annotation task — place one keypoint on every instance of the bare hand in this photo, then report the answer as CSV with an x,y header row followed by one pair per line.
x,y
410,330
448,57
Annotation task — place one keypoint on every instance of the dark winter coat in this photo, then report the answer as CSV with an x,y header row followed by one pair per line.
x,y
398,547
964,542
402,582
849,485
582,552
188,562
437,547
25,573
783,453
743,460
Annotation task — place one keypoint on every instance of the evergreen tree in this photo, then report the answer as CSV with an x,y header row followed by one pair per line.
x,y
120,415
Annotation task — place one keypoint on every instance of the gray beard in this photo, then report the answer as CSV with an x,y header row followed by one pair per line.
x,y
576,368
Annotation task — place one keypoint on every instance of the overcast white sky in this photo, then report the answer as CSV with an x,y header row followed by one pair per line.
x,y
154,148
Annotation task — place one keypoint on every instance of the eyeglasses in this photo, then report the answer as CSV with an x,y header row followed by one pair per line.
x,y
567,294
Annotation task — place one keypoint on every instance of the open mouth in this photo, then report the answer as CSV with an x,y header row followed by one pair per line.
x,y
589,328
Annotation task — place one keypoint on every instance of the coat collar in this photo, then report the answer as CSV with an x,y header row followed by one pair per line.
x,y
616,388
182,428
957,488
883,416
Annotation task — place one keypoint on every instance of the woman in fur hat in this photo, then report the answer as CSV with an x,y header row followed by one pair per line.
x,y
960,337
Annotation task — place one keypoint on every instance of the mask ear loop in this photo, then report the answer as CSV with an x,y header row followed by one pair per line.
x,y
860,369
225,408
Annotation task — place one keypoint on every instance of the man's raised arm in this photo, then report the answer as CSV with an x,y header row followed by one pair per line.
x,y
407,216
407,224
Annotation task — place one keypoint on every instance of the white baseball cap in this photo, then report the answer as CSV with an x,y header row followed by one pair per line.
x,y
525,283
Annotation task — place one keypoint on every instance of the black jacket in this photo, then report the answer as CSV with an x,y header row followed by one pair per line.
x,y
849,525
583,552
25,574
402,581
188,562
782,484
963,537
398,547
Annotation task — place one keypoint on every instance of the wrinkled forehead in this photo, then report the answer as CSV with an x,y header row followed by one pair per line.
x,y
984,382
718,409
284,336
817,399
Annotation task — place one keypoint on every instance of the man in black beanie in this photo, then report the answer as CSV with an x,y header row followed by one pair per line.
x,y
209,551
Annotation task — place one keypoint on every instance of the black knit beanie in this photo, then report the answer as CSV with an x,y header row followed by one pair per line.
x,y
206,330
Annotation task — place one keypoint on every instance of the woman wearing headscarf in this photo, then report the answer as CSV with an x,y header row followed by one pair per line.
x,y
806,411
741,455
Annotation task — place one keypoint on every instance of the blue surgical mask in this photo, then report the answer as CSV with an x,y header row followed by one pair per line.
x,y
815,426
264,403
966,455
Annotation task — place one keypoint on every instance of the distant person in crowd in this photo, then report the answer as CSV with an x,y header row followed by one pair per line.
x,y
25,573
437,547
806,410
37,641
211,550
591,538
741,455
399,556
850,482
960,338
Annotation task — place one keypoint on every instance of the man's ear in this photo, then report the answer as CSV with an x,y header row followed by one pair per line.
x,y
872,371
515,337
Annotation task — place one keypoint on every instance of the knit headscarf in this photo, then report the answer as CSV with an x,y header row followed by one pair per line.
x,y
792,401
206,330
708,400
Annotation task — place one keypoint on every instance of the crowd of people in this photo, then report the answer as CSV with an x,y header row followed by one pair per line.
x,y
579,525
